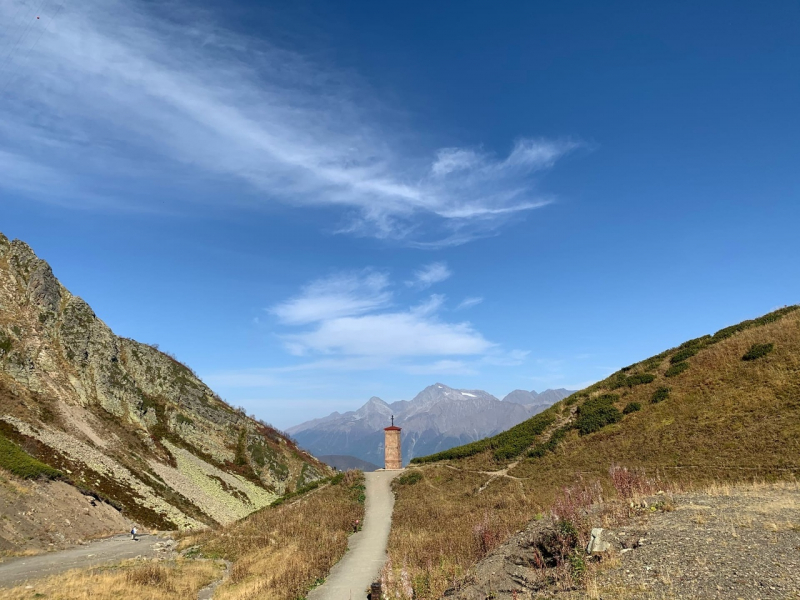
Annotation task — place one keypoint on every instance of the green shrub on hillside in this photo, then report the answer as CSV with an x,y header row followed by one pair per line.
x,y
513,442
696,342
551,444
410,478
596,413
506,445
676,369
620,380
5,343
631,407
765,320
682,355
659,395
639,379
757,351
17,461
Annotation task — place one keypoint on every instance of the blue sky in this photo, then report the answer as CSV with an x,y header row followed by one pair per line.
x,y
314,204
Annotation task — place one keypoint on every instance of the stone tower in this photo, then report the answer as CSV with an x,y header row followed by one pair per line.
x,y
393,454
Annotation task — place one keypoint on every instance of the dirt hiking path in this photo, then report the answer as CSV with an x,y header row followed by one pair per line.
x,y
19,570
366,550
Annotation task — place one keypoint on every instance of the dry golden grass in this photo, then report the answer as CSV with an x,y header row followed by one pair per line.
x,y
726,421
281,552
169,580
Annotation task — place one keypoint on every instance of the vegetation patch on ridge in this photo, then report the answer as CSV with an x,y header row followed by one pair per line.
x,y
505,445
676,369
15,460
757,351
596,413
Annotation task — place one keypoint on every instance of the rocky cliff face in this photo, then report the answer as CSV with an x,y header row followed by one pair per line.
x,y
122,420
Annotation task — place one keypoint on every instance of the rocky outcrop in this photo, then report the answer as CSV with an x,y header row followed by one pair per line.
x,y
123,420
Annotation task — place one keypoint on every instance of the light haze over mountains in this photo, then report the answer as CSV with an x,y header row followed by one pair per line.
x,y
438,418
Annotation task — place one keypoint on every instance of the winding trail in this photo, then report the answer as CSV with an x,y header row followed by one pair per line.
x,y
366,550
15,571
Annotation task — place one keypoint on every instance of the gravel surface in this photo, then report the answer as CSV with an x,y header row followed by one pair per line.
x,y
744,543
19,570
728,543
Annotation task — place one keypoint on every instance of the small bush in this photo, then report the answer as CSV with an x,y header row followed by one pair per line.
x,y
410,478
696,343
639,379
659,395
757,351
593,403
17,461
631,407
182,419
682,355
621,380
5,343
596,413
551,444
676,369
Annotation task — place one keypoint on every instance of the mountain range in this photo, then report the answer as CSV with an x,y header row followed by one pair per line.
x,y
438,418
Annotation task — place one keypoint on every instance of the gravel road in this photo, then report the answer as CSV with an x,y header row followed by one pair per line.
x,y
16,571
366,550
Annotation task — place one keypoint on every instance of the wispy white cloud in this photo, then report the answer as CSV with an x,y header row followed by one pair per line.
x,y
340,295
407,333
350,317
429,275
115,98
469,302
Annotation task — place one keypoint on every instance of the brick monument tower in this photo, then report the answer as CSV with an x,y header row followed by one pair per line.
x,y
393,455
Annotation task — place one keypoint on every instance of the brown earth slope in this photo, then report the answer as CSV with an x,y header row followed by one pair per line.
x,y
718,408
119,419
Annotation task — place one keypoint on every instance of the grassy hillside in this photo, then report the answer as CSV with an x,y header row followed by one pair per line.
x,y
282,551
720,407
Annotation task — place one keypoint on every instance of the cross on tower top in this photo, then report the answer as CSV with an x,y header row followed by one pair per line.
x,y
392,420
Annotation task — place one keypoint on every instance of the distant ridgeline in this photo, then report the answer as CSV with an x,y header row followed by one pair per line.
x,y
438,418
119,419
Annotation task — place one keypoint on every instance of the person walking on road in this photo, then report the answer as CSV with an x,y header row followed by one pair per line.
x,y
133,534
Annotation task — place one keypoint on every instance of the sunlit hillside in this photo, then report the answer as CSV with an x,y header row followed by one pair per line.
x,y
720,407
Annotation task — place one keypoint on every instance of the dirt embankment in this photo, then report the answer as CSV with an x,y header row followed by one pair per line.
x,y
51,515
741,542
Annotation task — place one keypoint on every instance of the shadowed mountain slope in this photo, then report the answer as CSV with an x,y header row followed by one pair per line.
x,y
121,420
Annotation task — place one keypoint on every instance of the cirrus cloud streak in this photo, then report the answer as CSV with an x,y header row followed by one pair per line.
x,y
127,108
